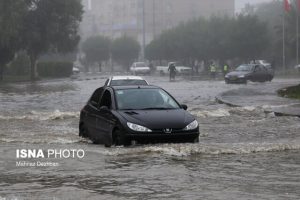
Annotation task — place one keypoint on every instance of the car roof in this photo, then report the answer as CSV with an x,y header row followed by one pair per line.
x,y
124,87
126,77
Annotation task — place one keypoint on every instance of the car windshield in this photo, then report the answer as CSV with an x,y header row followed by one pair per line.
x,y
244,68
140,65
128,82
144,99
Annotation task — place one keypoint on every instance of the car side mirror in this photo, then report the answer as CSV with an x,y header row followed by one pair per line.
x,y
184,107
104,108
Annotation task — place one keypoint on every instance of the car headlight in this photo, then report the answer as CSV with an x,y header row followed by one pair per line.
x,y
138,128
193,125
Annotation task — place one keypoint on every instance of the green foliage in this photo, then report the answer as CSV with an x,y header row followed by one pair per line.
x,y
54,69
96,49
249,38
11,16
125,50
19,66
51,25
290,92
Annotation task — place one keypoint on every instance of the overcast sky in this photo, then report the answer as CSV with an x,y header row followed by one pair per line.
x,y
239,4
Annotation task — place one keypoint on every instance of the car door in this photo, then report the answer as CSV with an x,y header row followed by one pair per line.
x,y
104,118
91,110
265,74
257,74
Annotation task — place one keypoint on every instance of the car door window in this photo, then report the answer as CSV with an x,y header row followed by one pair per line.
x,y
106,99
258,69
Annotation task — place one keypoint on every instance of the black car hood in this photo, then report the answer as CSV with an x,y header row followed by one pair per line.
x,y
238,73
158,119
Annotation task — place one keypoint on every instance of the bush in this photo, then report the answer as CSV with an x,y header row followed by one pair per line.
x,y
20,66
54,69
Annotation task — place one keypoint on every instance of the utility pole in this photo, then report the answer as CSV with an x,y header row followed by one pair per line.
x,y
297,32
154,22
283,40
144,31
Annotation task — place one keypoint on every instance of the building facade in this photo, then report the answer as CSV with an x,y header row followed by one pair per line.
x,y
145,19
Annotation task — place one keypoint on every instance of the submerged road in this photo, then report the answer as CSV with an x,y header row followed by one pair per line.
x,y
244,152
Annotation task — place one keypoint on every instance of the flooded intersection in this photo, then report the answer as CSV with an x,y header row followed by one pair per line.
x,y
244,152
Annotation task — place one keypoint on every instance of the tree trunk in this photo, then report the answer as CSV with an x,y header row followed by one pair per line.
x,y
100,65
33,68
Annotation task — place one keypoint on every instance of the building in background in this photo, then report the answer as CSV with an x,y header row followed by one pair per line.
x,y
114,18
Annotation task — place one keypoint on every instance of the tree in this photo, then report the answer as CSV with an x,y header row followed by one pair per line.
x,y
11,14
50,25
217,38
96,49
125,50
249,38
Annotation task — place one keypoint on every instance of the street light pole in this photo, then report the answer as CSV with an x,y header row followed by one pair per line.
x,y
144,31
154,23
297,33
283,40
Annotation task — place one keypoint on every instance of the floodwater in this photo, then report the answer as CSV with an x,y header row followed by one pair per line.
x,y
243,153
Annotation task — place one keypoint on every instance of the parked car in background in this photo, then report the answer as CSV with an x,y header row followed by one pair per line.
x,y
125,80
140,68
265,63
180,69
261,62
75,73
249,72
297,67
117,115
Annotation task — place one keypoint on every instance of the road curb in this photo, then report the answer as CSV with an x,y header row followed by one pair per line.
x,y
220,99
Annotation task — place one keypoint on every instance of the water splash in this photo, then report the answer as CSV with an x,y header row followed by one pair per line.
x,y
42,116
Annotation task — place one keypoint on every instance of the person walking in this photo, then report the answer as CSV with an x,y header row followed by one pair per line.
x,y
172,69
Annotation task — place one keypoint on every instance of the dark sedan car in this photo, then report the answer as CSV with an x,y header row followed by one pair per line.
x,y
249,72
118,115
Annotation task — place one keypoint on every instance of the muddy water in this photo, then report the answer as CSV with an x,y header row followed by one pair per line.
x,y
244,153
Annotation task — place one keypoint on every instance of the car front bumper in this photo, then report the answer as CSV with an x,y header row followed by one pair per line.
x,y
157,137
235,80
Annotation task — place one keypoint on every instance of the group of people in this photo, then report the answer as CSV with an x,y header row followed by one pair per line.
x,y
213,70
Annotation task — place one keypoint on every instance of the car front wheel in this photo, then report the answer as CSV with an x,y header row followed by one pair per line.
x,y
83,131
119,138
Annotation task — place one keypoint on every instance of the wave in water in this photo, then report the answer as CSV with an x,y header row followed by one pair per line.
x,y
210,149
225,112
42,116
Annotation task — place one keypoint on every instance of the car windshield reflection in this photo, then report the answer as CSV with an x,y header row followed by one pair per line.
x,y
244,68
144,99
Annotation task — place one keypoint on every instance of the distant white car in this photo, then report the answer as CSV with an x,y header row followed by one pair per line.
x,y
139,68
297,67
180,69
125,80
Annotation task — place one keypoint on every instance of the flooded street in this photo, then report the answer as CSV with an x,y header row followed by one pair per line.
x,y
243,153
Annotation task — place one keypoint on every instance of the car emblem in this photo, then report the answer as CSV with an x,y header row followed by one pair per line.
x,y
168,130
